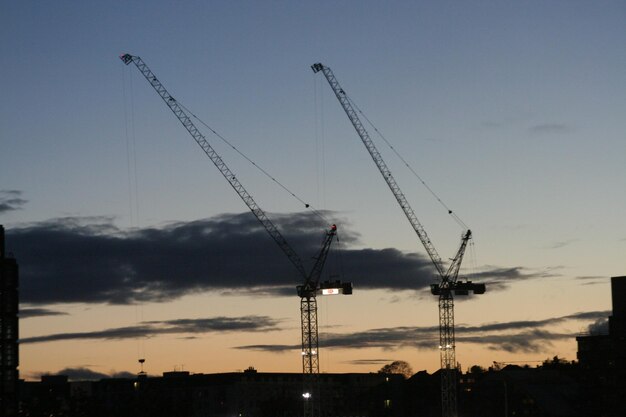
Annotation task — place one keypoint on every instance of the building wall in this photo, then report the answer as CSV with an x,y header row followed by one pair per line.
x,y
602,358
9,354
617,322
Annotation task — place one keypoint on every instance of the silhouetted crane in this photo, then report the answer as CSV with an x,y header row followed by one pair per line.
x,y
311,285
447,277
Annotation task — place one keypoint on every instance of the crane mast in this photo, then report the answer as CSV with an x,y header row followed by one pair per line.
x,y
448,278
310,335
307,291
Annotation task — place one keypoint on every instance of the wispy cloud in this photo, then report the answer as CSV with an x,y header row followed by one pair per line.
x,y
593,280
498,278
561,244
550,128
369,362
270,348
530,341
26,313
489,124
526,336
513,336
11,200
179,326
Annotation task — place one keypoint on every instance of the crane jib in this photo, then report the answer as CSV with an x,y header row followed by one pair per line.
x,y
185,120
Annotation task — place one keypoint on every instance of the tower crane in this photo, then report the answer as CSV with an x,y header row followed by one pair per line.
x,y
448,277
311,285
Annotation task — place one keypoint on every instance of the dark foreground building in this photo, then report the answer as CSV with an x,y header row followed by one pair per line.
x,y
602,359
550,390
238,394
547,391
9,359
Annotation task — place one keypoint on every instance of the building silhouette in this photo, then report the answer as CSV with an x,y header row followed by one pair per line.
x,y
550,390
9,359
234,394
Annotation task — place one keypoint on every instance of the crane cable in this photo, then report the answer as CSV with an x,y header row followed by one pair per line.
x,y
133,194
450,212
306,205
320,139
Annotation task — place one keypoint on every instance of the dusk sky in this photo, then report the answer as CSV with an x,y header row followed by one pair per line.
x,y
132,245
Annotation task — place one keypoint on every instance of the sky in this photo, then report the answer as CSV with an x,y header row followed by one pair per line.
x,y
132,245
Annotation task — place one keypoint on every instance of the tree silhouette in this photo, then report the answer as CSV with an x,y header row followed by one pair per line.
x,y
397,367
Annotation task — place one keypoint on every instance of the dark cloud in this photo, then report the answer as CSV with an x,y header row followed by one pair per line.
x,y
26,313
86,374
528,336
89,260
154,328
11,200
550,128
